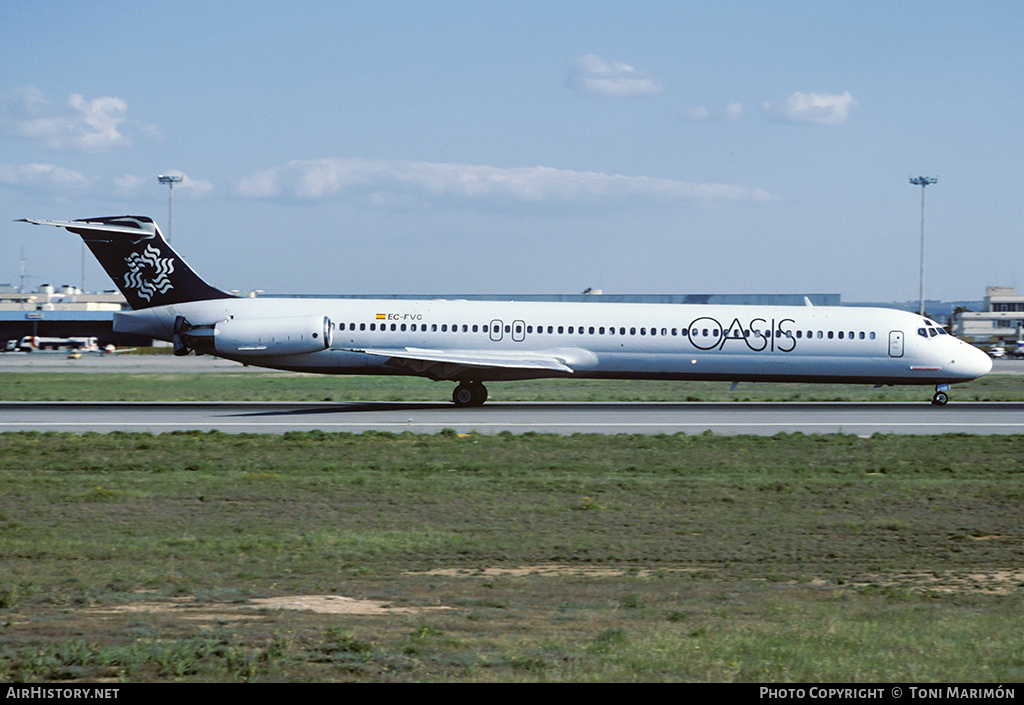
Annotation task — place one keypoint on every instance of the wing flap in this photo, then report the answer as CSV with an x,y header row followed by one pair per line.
x,y
448,364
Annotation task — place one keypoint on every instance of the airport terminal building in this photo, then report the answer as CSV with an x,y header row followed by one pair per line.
x,y
66,312
1001,321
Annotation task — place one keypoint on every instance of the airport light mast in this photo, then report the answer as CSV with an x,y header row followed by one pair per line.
x,y
170,181
923,181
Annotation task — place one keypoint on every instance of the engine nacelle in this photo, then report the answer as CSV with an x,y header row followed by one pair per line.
x,y
286,335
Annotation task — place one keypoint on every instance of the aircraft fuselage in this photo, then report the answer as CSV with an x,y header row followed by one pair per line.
x,y
482,340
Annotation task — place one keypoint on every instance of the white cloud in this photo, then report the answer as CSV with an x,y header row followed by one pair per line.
x,y
386,182
43,176
59,181
732,111
131,185
820,108
80,125
593,75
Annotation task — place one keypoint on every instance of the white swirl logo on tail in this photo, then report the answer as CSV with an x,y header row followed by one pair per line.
x,y
148,273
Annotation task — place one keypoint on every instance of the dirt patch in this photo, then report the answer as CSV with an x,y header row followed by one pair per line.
x,y
336,604
996,582
555,571
189,608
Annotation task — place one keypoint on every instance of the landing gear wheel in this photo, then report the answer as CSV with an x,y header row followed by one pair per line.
x,y
472,394
481,394
463,395
940,399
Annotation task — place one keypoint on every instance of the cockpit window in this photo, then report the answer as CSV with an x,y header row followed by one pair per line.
x,y
931,331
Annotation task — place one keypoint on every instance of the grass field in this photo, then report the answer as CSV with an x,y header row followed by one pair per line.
x,y
253,385
510,558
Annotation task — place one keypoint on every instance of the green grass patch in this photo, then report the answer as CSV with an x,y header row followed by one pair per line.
x,y
562,558
260,385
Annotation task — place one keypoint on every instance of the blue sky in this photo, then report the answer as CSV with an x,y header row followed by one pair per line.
x,y
524,147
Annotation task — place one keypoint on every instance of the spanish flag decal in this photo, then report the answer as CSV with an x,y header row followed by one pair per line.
x,y
381,316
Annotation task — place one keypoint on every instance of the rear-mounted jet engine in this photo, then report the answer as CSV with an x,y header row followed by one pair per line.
x,y
288,335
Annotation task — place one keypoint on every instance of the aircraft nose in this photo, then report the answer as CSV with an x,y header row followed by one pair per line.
x,y
973,363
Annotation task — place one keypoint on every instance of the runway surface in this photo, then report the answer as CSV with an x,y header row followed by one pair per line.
x,y
725,418
194,364
729,418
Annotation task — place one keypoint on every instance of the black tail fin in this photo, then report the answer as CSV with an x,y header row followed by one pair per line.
x,y
143,266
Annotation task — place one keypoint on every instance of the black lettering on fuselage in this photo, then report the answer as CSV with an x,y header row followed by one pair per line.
x,y
785,341
756,337
706,335
759,335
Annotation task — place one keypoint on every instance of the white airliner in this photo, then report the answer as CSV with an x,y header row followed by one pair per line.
x,y
472,342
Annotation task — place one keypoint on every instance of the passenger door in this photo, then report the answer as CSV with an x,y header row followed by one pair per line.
x,y
896,343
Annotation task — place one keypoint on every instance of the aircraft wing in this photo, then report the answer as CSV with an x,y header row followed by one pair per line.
x,y
449,364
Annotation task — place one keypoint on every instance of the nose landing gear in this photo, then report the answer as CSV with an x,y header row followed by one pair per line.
x,y
469,394
941,397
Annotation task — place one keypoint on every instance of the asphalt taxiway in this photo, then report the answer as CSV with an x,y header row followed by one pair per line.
x,y
723,418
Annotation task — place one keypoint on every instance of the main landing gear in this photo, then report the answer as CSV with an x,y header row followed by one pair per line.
x,y
469,394
941,397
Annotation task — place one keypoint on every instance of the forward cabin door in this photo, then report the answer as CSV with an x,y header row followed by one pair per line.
x,y
896,343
